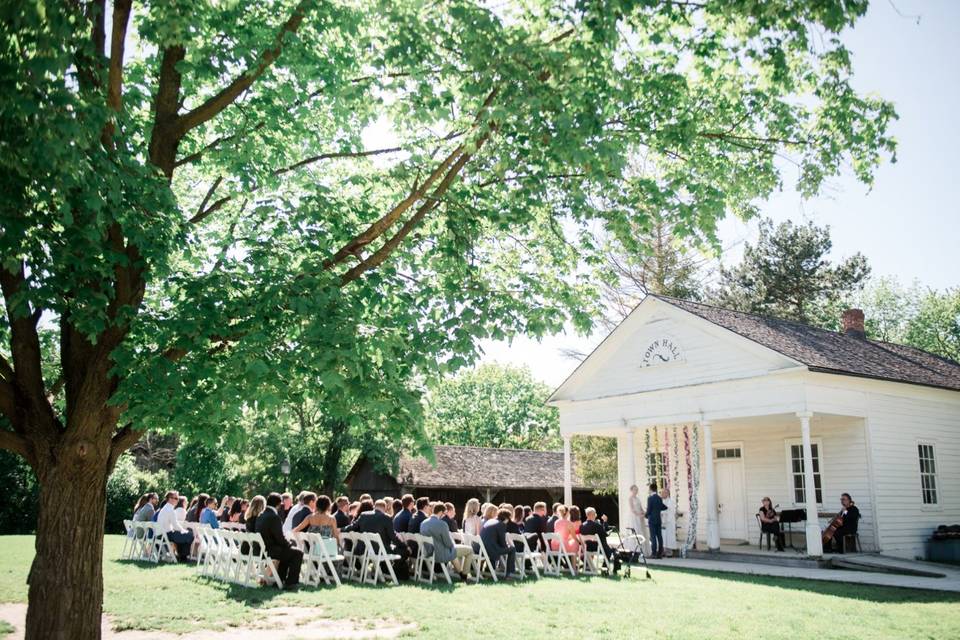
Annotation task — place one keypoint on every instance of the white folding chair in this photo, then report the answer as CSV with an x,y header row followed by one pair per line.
x,y
525,555
594,562
162,548
128,542
426,563
352,559
259,566
375,559
481,559
558,559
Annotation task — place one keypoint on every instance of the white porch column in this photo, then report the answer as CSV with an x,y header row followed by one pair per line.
x,y
567,473
713,524
814,545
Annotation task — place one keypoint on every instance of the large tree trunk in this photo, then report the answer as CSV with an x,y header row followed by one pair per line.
x,y
339,435
66,579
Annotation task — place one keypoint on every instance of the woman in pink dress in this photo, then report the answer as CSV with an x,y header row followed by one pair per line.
x,y
567,530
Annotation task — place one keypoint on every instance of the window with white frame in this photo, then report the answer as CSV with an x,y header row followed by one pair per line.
x,y
796,471
928,473
656,469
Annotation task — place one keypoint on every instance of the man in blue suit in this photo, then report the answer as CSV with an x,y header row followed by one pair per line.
x,y
654,507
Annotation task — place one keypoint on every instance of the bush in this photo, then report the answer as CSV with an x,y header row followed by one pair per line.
x,y
21,495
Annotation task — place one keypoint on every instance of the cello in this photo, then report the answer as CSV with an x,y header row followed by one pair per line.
x,y
831,529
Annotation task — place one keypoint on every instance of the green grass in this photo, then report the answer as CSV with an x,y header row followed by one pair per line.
x,y
676,604
5,629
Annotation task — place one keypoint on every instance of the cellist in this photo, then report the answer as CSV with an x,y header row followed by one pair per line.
x,y
850,517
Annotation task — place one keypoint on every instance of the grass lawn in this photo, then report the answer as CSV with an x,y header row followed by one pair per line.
x,y
676,604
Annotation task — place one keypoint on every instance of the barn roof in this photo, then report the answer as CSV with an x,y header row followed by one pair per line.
x,y
485,467
830,351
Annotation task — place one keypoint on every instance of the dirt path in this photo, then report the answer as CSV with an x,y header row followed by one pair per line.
x,y
279,623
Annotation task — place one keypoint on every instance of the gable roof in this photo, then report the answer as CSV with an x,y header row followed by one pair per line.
x,y
470,467
829,351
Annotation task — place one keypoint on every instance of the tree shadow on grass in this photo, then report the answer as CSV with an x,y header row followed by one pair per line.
x,y
848,590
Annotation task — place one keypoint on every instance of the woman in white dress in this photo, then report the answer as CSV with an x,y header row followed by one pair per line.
x,y
639,520
471,517
669,520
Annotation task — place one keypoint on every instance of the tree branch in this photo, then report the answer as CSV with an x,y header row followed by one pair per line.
x,y
16,443
121,441
226,96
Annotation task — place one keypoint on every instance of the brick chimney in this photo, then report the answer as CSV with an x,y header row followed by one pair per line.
x,y
852,322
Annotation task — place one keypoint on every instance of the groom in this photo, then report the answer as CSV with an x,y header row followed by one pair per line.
x,y
654,507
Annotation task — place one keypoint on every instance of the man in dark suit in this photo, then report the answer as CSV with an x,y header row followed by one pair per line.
x,y
421,514
450,517
552,519
270,528
402,519
309,502
372,519
654,507
594,527
493,534
342,515
535,526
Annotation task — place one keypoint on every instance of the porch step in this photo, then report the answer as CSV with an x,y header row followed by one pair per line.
x,y
785,559
879,564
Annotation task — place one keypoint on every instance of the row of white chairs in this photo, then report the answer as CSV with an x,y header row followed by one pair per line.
x,y
146,542
235,556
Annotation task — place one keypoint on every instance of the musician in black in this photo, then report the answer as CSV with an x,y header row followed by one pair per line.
x,y
851,518
770,521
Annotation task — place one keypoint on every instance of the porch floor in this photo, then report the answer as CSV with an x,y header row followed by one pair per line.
x,y
760,563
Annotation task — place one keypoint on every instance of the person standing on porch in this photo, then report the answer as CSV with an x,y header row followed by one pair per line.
x,y
637,514
669,522
654,520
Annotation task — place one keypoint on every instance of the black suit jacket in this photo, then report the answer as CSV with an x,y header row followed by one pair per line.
x,y
401,521
550,522
451,524
494,537
534,527
415,521
270,528
342,519
376,522
595,528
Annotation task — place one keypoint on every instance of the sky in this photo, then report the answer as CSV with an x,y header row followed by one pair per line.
x,y
908,223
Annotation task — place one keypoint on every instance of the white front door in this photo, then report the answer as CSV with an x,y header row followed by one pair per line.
x,y
731,498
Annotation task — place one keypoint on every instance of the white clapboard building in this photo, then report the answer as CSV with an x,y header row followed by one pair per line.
x,y
779,409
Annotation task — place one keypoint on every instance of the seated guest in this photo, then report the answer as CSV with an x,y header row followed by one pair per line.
x,y
242,516
254,509
372,519
471,517
146,507
851,519
209,514
770,521
567,531
278,548
342,513
493,534
354,510
237,509
285,506
594,527
527,510
554,517
291,512
388,507
181,509
225,506
181,538
535,525
199,504
320,521
366,497
421,514
444,549
489,512
450,517
516,525
401,518
395,509
309,501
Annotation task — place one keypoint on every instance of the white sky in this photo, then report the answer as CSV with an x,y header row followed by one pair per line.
x,y
908,226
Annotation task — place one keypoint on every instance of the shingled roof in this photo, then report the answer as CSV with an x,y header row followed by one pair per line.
x,y
830,351
470,467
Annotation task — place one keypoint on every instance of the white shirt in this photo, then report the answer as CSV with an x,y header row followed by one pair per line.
x,y
167,519
181,514
288,522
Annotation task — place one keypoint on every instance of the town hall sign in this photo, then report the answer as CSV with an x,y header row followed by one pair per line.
x,y
660,351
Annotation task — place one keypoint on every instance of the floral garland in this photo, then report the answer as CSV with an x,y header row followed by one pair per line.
x,y
666,458
646,453
694,488
675,486
689,465
656,450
